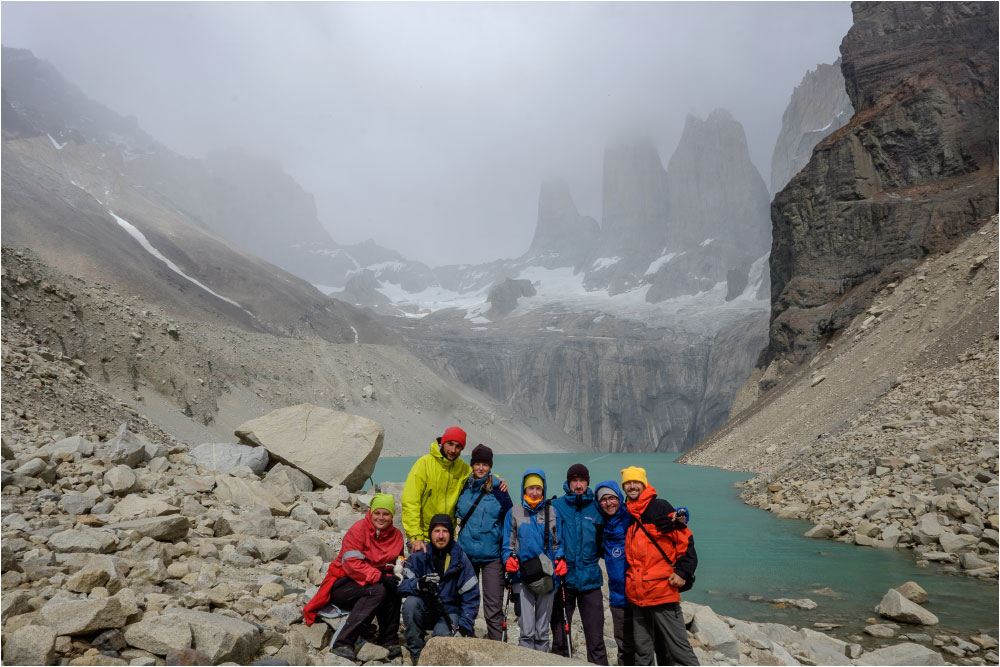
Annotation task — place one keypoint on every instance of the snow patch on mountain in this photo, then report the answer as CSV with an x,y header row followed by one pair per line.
x,y
656,264
148,247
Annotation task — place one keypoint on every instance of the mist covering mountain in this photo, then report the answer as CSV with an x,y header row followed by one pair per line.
x,y
190,329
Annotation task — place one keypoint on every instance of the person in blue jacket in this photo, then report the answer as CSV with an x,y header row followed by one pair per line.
x,y
524,538
481,510
611,502
582,535
440,588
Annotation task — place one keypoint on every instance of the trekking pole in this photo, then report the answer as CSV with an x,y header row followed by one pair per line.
x,y
569,638
506,606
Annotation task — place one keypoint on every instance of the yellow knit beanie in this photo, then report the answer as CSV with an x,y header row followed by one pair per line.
x,y
634,474
533,480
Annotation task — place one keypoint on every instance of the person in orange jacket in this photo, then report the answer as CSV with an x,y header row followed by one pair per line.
x,y
661,561
364,578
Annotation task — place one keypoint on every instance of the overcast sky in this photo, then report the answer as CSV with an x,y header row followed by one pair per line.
x,y
430,126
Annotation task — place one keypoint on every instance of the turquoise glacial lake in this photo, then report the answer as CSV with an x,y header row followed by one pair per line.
x,y
744,551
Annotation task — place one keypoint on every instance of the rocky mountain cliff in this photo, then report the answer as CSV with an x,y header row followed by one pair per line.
x,y
912,173
630,336
818,108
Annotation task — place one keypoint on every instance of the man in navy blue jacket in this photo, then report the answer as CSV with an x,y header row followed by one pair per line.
x,y
582,531
440,587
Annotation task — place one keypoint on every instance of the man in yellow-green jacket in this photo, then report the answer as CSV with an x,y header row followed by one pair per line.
x,y
433,486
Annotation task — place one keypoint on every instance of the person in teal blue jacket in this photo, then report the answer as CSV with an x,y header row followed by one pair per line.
x,y
611,502
481,510
524,538
582,534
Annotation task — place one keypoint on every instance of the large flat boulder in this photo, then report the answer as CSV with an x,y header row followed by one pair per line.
x,y
902,654
469,651
331,447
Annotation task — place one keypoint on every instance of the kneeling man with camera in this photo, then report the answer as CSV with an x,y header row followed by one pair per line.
x,y
441,589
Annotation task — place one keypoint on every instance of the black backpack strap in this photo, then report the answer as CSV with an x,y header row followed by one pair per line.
x,y
546,527
482,493
655,543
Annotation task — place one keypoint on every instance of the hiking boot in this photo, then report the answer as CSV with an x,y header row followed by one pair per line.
x,y
394,651
344,652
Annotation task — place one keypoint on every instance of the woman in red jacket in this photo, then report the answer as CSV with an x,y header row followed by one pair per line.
x,y
362,579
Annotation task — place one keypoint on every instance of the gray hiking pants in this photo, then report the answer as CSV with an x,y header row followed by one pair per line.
x,y
666,621
534,620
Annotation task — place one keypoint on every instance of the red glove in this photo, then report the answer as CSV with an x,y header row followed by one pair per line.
x,y
513,565
560,569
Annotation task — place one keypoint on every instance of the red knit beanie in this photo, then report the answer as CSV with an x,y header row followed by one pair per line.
x,y
454,433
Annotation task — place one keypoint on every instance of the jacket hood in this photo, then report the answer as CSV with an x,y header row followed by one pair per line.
x,y
640,504
575,499
613,485
545,484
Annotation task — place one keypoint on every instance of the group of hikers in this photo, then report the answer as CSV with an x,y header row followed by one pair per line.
x,y
467,541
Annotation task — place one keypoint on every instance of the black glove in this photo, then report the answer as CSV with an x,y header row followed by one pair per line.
x,y
667,524
389,581
465,632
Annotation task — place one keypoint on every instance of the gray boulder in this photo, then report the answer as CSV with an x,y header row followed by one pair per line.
x,y
81,617
220,638
901,654
913,592
164,529
30,645
76,445
82,541
469,651
898,608
225,457
127,448
331,447
159,634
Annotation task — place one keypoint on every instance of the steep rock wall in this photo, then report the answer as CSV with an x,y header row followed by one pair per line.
x,y
912,173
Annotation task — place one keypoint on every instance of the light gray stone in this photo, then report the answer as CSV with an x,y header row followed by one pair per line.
x,y
127,448
76,445
882,631
305,547
953,543
219,637
15,603
907,653
714,632
331,447
247,494
76,503
30,645
81,617
135,506
159,634
225,457
820,532
121,479
898,608
164,529
83,540
913,592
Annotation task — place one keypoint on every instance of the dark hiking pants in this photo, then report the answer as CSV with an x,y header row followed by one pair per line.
x,y
491,578
665,621
418,618
366,602
591,605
